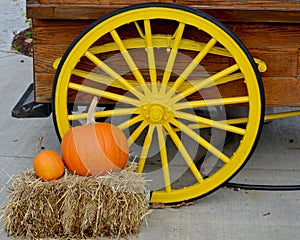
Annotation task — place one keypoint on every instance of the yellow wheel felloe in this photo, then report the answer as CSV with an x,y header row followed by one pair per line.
x,y
165,69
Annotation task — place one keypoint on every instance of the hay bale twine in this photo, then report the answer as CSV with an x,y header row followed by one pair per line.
x,y
76,207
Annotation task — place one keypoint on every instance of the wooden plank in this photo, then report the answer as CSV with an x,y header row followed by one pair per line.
x,y
231,4
43,87
298,67
267,35
224,15
50,41
241,11
287,96
282,91
280,63
275,43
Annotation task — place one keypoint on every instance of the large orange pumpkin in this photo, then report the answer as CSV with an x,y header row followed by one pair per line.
x,y
94,149
48,165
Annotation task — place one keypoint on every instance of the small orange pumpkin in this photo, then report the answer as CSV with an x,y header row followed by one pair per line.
x,y
95,148
48,165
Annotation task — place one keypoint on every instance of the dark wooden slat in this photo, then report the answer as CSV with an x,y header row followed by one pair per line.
x,y
269,29
241,11
225,15
222,3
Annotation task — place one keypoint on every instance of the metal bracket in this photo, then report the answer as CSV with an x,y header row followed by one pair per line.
x,y
28,108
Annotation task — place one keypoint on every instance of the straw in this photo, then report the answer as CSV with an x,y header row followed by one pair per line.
x,y
76,207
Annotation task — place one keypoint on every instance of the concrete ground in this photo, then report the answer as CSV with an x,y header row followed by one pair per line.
x,y
225,214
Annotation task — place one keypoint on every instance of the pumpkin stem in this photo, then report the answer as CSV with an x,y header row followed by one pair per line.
x,y
90,116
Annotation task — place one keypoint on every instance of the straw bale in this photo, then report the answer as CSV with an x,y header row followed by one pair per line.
x,y
75,207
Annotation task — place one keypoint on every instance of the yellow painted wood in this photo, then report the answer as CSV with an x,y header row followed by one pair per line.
x,y
159,104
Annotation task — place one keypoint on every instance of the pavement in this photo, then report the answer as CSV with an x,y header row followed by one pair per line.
x,y
224,215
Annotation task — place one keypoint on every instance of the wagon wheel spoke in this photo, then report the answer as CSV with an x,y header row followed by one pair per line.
x,y
104,113
190,68
105,94
211,102
211,123
186,156
172,57
130,62
164,158
145,149
150,55
97,78
128,123
231,121
136,133
210,81
99,63
223,80
196,137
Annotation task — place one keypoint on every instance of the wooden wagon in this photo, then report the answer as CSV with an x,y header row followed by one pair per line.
x,y
180,78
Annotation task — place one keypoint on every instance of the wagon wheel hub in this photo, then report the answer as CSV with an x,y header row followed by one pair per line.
x,y
156,113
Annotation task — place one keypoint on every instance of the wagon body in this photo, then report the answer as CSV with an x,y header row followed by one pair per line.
x,y
269,29
178,82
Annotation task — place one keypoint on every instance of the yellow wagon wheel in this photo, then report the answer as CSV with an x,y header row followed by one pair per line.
x,y
171,73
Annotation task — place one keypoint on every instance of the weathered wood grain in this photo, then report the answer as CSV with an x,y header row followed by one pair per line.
x,y
232,3
269,29
242,11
